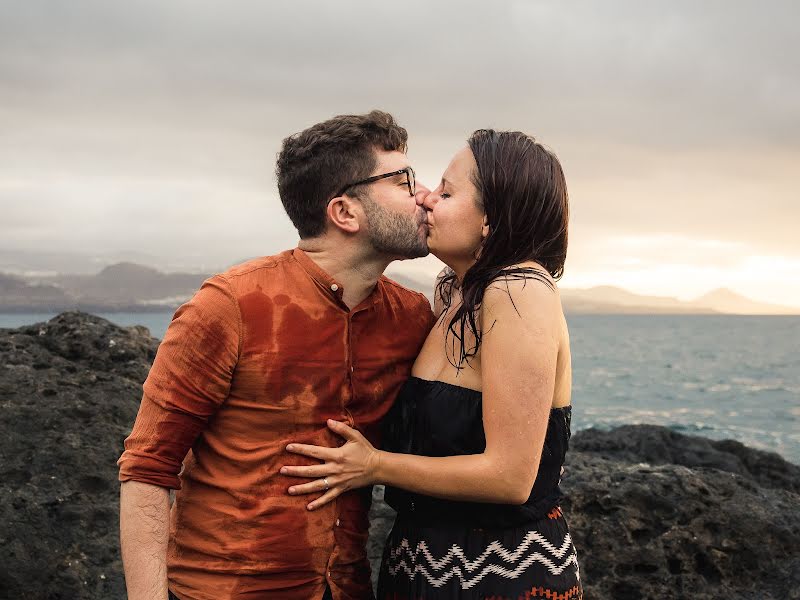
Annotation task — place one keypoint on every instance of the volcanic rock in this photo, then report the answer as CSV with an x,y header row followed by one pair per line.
x,y
659,445
657,514
669,531
653,513
69,392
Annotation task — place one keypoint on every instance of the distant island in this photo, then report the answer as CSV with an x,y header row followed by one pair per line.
x,y
608,299
122,287
614,300
132,287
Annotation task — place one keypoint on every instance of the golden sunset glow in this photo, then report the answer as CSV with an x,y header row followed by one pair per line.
x,y
122,143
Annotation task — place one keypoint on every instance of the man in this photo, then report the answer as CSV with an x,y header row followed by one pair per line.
x,y
264,354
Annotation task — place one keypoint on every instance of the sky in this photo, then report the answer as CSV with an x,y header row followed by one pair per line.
x,y
149,130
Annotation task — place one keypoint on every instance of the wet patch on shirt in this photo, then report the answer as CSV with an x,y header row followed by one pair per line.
x,y
258,323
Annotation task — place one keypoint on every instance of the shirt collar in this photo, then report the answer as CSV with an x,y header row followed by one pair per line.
x,y
330,285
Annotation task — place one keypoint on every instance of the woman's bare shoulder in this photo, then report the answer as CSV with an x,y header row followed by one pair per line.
x,y
527,282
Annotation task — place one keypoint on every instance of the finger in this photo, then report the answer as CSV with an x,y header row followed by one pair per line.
x,y
325,498
311,471
344,430
312,487
318,452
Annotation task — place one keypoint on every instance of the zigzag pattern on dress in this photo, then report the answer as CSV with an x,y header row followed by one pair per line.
x,y
403,558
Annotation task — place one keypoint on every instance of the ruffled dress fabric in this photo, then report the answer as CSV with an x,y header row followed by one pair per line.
x,y
447,549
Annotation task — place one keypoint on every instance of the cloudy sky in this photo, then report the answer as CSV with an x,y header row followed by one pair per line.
x,y
149,129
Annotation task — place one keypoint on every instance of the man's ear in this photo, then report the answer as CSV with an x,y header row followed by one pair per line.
x,y
343,213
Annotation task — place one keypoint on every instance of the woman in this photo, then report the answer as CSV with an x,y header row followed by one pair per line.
x,y
476,440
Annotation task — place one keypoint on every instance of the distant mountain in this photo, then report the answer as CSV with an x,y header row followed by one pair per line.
x,y
726,301
129,283
119,287
130,286
16,294
608,299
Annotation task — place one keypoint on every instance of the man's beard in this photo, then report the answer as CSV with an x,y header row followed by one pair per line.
x,y
395,234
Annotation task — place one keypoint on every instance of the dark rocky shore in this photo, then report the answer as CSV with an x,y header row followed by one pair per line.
x,y
654,514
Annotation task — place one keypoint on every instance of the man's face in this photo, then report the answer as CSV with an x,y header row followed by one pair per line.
x,y
396,225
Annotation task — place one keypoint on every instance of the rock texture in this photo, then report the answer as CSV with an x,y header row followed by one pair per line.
x,y
669,531
654,514
69,392
659,446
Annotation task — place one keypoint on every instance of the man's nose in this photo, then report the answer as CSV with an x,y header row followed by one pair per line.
x,y
421,193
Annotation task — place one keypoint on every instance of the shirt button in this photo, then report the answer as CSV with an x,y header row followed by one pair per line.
x,y
334,287
329,573
337,522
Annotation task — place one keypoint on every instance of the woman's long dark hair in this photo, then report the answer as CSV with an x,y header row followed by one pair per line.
x,y
522,190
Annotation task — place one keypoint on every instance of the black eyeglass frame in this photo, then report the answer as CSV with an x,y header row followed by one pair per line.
x,y
410,180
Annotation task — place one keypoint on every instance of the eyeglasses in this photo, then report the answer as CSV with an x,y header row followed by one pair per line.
x,y
409,172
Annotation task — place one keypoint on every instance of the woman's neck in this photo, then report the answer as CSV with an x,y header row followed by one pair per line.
x,y
460,269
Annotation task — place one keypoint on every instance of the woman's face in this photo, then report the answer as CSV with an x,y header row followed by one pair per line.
x,y
456,224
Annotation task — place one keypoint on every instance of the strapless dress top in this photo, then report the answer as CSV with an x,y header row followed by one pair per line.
x,y
434,418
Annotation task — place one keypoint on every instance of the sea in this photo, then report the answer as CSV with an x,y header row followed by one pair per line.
x,y
719,376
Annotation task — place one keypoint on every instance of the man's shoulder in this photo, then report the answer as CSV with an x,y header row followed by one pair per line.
x,y
256,265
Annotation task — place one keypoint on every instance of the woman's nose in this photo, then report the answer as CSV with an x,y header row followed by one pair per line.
x,y
429,200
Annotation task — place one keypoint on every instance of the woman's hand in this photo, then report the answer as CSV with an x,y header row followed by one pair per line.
x,y
350,466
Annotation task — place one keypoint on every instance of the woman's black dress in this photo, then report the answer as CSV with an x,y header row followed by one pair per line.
x,y
446,549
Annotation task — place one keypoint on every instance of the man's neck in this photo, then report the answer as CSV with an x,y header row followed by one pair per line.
x,y
356,271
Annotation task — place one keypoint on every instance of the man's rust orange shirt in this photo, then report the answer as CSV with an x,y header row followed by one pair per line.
x,y
261,356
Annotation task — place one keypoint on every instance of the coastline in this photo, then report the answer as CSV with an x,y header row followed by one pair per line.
x,y
653,512
718,376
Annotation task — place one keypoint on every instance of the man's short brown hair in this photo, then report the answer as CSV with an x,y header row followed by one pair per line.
x,y
315,164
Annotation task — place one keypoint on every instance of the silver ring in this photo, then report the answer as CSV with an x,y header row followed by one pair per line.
x,y
327,485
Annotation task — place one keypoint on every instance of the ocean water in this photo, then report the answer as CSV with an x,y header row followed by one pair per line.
x,y
718,376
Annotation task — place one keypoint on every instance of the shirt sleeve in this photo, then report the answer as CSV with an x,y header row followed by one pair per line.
x,y
189,380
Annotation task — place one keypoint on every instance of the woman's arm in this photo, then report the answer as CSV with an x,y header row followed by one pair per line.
x,y
519,350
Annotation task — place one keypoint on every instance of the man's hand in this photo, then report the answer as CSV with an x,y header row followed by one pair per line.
x,y
144,533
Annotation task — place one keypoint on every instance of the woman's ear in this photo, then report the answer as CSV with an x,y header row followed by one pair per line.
x,y
485,228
